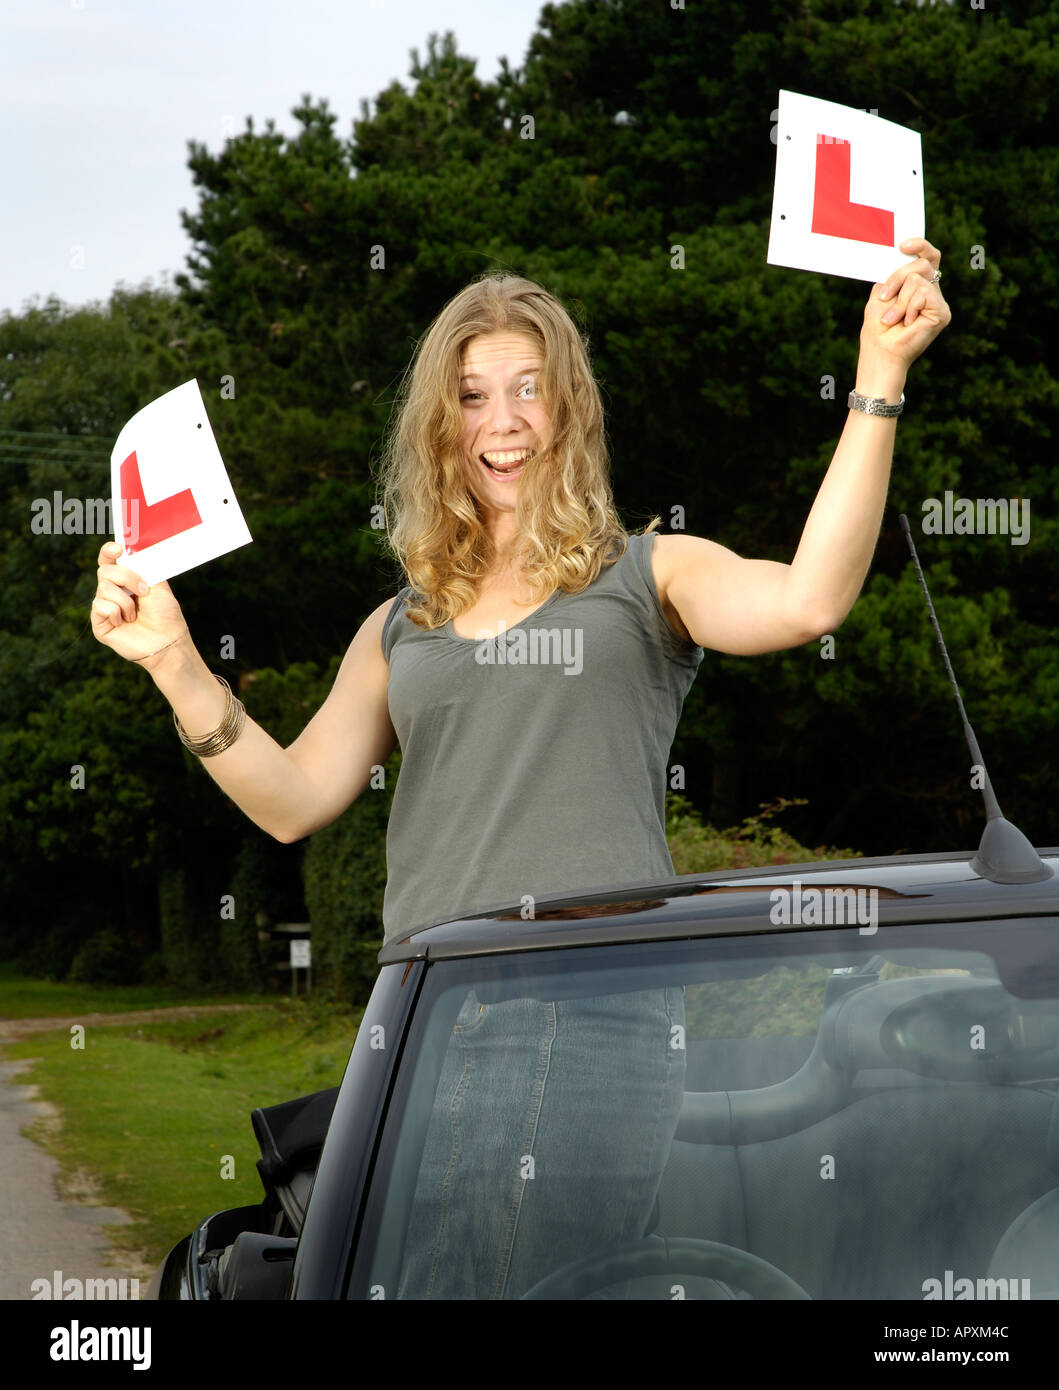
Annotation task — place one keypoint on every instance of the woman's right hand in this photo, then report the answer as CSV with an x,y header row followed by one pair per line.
x,y
132,624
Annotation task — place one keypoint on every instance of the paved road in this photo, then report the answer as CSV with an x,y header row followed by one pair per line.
x,y
40,1231
43,1233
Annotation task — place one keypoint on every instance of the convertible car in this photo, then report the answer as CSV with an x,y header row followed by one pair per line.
x,y
869,1051
855,1096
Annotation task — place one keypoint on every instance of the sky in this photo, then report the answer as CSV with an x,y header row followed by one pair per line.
x,y
99,98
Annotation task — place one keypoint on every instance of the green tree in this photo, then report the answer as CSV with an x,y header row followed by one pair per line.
x,y
634,140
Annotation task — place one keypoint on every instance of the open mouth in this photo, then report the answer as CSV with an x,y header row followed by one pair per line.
x,y
507,465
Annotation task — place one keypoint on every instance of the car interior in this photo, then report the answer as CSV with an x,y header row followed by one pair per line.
x,y
916,1133
902,1142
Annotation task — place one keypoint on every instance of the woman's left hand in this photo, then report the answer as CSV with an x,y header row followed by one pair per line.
x,y
906,312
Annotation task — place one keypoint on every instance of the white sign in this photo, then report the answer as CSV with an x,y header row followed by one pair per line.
x,y
848,190
301,955
173,505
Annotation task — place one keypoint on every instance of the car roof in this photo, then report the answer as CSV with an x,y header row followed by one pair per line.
x,y
914,887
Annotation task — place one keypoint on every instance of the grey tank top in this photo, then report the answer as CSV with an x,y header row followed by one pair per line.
x,y
536,761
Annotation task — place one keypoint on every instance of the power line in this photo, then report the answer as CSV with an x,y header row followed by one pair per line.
x,y
19,447
54,434
52,443
22,459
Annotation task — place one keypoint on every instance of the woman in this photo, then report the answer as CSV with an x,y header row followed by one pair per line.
x,y
533,669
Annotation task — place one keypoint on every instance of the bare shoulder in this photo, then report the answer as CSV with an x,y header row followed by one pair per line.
x,y
374,623
671,555
366,646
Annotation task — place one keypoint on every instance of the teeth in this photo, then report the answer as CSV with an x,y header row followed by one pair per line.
x,y
503,460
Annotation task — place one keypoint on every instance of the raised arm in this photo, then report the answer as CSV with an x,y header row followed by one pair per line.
x,y
747,607
288,792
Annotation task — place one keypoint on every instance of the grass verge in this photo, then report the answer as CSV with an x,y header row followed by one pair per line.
x,y
150,1112
25,996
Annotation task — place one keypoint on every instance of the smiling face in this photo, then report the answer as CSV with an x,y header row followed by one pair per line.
x,y
503,418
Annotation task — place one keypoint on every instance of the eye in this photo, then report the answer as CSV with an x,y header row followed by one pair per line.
x,y
470,396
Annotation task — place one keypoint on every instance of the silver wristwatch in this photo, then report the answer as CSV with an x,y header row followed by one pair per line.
x,y
875,405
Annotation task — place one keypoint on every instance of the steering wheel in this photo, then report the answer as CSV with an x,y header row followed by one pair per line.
x,y
658,1255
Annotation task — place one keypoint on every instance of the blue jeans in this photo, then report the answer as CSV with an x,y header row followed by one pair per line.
x,y
551,1126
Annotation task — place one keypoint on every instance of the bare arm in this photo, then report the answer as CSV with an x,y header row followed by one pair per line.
x,y
746,607
292,792
288,792
751,606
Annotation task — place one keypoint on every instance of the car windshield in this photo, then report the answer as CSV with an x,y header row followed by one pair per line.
x,y
823,1114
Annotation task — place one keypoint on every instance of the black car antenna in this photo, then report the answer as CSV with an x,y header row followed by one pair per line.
x,y
1004,854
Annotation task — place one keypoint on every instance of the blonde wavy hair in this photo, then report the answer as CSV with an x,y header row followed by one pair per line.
x,y
569,529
